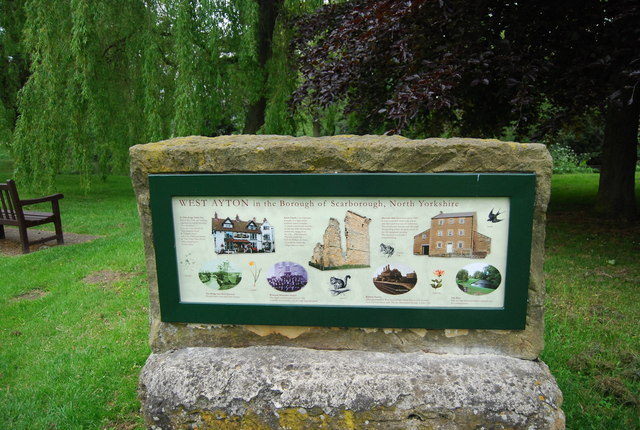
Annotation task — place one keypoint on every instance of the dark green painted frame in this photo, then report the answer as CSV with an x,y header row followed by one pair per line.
x,y
518,187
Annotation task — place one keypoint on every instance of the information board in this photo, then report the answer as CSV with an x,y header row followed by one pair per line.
x,y
370,250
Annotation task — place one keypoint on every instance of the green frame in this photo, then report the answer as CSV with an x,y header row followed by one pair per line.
x,y
518,187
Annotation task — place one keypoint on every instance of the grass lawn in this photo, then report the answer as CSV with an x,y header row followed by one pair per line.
x,y
74,319
592,313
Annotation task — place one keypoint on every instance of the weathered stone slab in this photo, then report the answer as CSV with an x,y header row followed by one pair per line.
x,y
298,388
229,154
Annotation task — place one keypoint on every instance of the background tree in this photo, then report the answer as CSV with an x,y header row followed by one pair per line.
x,y
268,11
419,67
492,275
92,79
463,275
14,66
80,106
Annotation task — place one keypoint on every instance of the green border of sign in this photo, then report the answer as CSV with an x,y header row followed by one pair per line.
x,y
518,187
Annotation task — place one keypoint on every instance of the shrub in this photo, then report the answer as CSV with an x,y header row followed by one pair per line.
x,y
565,160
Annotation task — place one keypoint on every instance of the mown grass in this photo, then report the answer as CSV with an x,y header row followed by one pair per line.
x,y
592,308
71,347
71,350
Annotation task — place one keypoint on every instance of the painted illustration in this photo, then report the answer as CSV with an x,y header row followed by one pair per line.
x,y
478,279
287,276
395,279
452,235
236,236
339,286
386,250
493,216
255,272
437,281
219,275
329,255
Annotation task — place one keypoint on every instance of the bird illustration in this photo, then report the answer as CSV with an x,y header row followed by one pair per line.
x,y
493,217
339,285
386,250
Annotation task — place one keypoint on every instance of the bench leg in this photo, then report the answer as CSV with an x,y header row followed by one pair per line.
x,y
57,221
2,236
58,225
24,239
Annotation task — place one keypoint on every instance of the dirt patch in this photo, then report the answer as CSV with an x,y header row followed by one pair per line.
x,y
10,245
615,387
107,278
30,295
129,422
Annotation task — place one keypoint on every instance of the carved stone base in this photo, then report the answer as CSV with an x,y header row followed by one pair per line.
x,y
297,388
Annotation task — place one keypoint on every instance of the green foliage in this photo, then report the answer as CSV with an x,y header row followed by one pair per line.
x,y
5,125
584,135
492,275
80,105
463,275
13,64
110,74
278,118
565,160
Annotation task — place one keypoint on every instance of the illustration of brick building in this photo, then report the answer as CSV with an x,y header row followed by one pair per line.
x,y
452,235
330,255
231,236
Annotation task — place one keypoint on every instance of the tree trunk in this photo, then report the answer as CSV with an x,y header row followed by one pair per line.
x,y
268,11
255,116
616,192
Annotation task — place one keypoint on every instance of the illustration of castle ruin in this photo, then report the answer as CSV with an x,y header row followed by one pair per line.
x,y
452,235
329,254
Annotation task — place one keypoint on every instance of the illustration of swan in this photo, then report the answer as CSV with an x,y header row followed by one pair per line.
x,y
339,285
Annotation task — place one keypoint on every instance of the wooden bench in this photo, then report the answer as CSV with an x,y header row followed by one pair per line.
x,y
12,213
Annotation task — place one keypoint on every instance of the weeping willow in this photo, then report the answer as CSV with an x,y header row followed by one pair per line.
x,y
80,108
13,64
108,74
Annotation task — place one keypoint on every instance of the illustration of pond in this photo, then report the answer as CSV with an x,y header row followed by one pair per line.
x,y
219,275
478,279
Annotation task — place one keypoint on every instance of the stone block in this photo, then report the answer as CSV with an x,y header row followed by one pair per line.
x,y
298,388
353,154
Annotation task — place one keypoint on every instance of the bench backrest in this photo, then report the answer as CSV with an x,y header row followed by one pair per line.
x,y
10,208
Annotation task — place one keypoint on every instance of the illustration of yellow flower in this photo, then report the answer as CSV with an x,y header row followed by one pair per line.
x,y
254,272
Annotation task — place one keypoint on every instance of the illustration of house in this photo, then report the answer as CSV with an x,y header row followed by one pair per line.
x,y
452,235
238,236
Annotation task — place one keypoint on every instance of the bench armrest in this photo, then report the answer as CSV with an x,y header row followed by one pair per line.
x,y
51,198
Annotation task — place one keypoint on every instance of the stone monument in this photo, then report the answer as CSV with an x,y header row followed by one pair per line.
x,y
255,376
